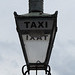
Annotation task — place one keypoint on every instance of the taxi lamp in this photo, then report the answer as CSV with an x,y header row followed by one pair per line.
x,y
36,32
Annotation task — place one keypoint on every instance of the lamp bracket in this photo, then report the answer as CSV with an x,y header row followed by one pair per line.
x,y
47,71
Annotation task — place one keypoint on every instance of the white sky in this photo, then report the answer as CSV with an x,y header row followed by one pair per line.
x,y
62,60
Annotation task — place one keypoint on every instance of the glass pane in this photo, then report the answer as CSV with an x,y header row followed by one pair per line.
x,y
36,47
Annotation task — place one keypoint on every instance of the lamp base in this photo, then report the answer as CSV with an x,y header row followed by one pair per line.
x,y
47,71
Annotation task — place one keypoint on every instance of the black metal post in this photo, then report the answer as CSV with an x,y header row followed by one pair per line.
x,y
36,71
35,6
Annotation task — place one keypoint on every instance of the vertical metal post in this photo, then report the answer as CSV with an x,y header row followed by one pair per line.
x,y
36,71
35,6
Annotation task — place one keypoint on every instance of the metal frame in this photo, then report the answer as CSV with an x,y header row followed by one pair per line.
x,y
47,71
38,66
53,32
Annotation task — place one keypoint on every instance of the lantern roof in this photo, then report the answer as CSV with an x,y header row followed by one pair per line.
x,y
37,14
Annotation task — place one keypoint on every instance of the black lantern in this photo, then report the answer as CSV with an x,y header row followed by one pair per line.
x,y
37,32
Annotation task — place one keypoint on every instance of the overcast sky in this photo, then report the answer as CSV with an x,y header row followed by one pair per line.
x,y
62,60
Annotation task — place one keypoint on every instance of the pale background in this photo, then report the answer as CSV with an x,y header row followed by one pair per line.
x,y
62,60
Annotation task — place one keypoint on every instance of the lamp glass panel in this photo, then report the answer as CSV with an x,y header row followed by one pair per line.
x,y
36,47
